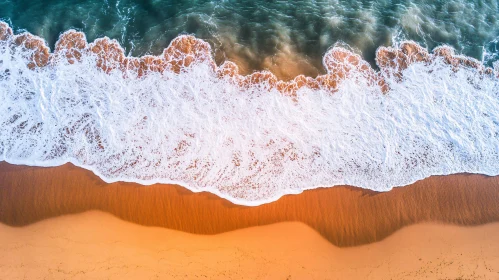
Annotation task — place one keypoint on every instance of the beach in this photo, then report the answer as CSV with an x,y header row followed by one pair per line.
x,y
96,245
65,221
220,140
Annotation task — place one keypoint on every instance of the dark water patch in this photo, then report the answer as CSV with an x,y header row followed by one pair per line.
x,y
256,30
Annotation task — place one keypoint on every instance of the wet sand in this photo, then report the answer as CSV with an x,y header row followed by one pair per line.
x,y
66,223
345,216
96,245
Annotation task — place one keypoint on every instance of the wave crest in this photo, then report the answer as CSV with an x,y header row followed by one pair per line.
x,y
186,50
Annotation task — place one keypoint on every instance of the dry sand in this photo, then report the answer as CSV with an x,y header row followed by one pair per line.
x,y
96,245
443,227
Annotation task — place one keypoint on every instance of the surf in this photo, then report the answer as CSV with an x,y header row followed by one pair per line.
x,y
180,118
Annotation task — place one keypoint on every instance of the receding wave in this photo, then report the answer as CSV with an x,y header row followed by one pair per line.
x,y
180,118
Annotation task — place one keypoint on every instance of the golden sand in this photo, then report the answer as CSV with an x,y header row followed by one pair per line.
x,y
344,215
419,229
96,245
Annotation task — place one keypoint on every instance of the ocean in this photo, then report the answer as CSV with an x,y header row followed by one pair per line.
x,y
366,116
252,31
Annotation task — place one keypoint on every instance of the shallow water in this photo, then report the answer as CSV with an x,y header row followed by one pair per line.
x,y
260,33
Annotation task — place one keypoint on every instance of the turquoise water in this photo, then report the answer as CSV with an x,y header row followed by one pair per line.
x,y
254,30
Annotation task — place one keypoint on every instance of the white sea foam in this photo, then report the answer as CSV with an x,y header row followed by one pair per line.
x,y
253,145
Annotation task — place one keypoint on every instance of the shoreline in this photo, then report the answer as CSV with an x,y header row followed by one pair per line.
x,y
344,215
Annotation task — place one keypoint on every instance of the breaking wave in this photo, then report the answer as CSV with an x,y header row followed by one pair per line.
x,y
180,118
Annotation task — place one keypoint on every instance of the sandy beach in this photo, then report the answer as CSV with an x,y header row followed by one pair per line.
x,y
96,245
344,215
64,222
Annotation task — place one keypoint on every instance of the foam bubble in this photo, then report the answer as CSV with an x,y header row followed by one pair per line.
x,y
178,118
